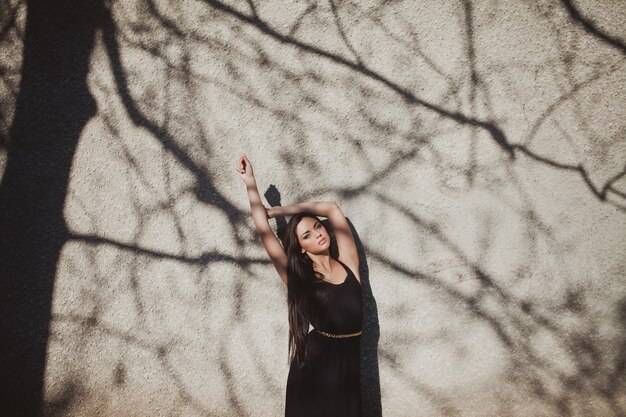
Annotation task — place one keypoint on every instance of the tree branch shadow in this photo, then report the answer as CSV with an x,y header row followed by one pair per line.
x,y
591,28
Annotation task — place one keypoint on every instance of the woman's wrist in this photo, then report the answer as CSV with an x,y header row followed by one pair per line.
x,y
250,182
277,211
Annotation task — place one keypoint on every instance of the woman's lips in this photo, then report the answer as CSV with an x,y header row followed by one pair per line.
x,y
322,241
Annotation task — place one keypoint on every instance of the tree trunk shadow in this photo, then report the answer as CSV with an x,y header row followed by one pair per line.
x,y
52,108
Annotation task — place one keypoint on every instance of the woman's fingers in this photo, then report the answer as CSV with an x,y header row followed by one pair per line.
x,y
242,163
239,167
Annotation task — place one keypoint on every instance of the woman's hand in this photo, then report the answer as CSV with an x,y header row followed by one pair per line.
x,y
244,168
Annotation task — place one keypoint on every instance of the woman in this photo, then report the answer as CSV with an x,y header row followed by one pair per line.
x,y
324,373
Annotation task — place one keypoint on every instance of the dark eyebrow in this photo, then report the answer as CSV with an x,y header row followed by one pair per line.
x,y
306,231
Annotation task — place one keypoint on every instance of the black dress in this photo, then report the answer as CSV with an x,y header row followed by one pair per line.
x,y
329,383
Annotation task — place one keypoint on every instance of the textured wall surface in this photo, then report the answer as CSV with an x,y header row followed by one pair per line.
x,y
477,148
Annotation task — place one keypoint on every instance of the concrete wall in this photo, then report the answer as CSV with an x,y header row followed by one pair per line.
x,y
476,147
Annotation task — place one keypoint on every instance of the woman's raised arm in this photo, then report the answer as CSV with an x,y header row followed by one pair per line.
x,y
319,208
260,216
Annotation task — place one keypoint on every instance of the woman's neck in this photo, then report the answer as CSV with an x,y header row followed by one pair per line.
x,y
322,262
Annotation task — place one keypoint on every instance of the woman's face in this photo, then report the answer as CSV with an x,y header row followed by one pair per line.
x,y
312,235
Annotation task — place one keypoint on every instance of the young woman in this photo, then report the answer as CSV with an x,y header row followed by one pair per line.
x,y
324,373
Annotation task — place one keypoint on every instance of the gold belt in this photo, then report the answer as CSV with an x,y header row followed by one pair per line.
x,y
339,335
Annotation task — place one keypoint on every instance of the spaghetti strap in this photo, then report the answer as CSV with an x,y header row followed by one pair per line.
x,y
349,270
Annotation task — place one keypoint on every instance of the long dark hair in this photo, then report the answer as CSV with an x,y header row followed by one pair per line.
x,y
299,282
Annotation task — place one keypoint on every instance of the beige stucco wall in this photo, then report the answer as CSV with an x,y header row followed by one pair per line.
x,y
496,283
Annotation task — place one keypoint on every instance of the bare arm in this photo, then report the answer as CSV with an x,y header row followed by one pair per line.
x,y
348,253
259,212
260,216
319,208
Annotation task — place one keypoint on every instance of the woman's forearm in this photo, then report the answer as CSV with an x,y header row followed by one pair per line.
x,y
259,212
319,208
